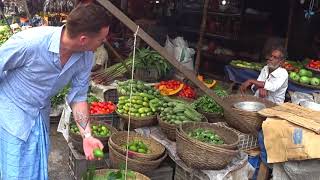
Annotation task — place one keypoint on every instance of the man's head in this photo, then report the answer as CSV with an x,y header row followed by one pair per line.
x,y
275,57
88,26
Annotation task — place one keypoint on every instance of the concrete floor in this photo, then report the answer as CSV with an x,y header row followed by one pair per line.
x,y
58,159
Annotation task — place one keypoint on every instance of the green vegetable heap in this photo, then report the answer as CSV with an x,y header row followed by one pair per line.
x,y
98,130
206,136
138,146
5,34
207,104
178,113
144,102
150,59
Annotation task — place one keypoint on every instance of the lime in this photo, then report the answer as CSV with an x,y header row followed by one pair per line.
x,y
142,151
98,153
133,148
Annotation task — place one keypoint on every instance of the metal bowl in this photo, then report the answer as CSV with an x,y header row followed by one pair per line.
x,y
251,106
310,105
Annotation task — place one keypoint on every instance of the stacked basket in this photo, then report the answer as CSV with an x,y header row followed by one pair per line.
x,y
138,122
244,121
170,129
200,155
139,162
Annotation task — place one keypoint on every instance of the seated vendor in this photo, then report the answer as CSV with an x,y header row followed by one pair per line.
x,y
272,82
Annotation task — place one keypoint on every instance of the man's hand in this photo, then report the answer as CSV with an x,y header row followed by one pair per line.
x,y
244,86
262,93
89,144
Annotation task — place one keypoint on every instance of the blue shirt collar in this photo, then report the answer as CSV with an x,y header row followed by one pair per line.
x,y
54,44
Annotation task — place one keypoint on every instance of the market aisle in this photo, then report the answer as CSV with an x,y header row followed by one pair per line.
x,y
58,159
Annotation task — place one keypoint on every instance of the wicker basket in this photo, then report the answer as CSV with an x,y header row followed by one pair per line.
x,y
119,139
229,136
76,139
138,122
147,75
170,129
244,121
212,117
201,156
142,166
138,176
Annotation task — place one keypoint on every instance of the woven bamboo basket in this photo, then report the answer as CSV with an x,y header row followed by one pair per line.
x,y
170,129
230,137
119,139
138,122
201,156
212,117
138,176
142,166
76,139
244,121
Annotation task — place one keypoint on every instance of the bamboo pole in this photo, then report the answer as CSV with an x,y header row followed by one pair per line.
x,y
202,30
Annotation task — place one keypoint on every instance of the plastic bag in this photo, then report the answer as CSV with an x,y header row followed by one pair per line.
x,y
180,50
297,97
64,122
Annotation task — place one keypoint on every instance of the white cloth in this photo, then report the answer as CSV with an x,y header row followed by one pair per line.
x,y
276,84
101,56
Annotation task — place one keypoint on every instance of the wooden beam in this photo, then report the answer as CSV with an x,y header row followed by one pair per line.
x,y
202,30
290,18
161,50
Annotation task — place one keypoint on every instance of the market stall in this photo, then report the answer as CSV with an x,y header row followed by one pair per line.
x,y
159,120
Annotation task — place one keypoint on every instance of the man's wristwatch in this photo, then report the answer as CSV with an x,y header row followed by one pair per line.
x,y
86,135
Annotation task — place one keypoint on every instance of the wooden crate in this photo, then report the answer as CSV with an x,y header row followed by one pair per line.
x,y
78,164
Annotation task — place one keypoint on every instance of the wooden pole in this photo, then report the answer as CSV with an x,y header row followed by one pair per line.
x,y
161,50
118,56
202,30
290,18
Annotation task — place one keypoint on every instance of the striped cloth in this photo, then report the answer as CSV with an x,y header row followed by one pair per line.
x,y
20,160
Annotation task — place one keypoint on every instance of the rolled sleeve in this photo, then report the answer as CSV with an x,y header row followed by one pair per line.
x,y
273,84
80,84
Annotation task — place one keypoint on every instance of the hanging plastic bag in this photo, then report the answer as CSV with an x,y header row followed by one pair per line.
x,y
180,50
64,122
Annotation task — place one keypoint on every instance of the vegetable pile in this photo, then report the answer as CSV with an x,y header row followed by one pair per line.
x,y
305,77
150,59
5,34
314,64
102,107
144,102
138,146
207,104
123,88
187,92
98,130
178,112
140,105
168,88
207,136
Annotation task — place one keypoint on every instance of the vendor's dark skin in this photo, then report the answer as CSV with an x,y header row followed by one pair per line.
x,y
274,61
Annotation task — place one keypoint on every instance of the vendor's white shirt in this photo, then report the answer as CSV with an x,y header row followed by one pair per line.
x,y
276,84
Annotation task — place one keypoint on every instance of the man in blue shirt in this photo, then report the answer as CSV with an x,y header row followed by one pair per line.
x,y
34,65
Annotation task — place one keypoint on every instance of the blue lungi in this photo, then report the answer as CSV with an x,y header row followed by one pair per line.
x,y
25,160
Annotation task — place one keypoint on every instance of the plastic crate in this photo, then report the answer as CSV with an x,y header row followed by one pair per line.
x,y
111,95
78,164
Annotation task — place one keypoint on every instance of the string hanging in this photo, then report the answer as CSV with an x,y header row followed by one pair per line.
x,y
132,77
